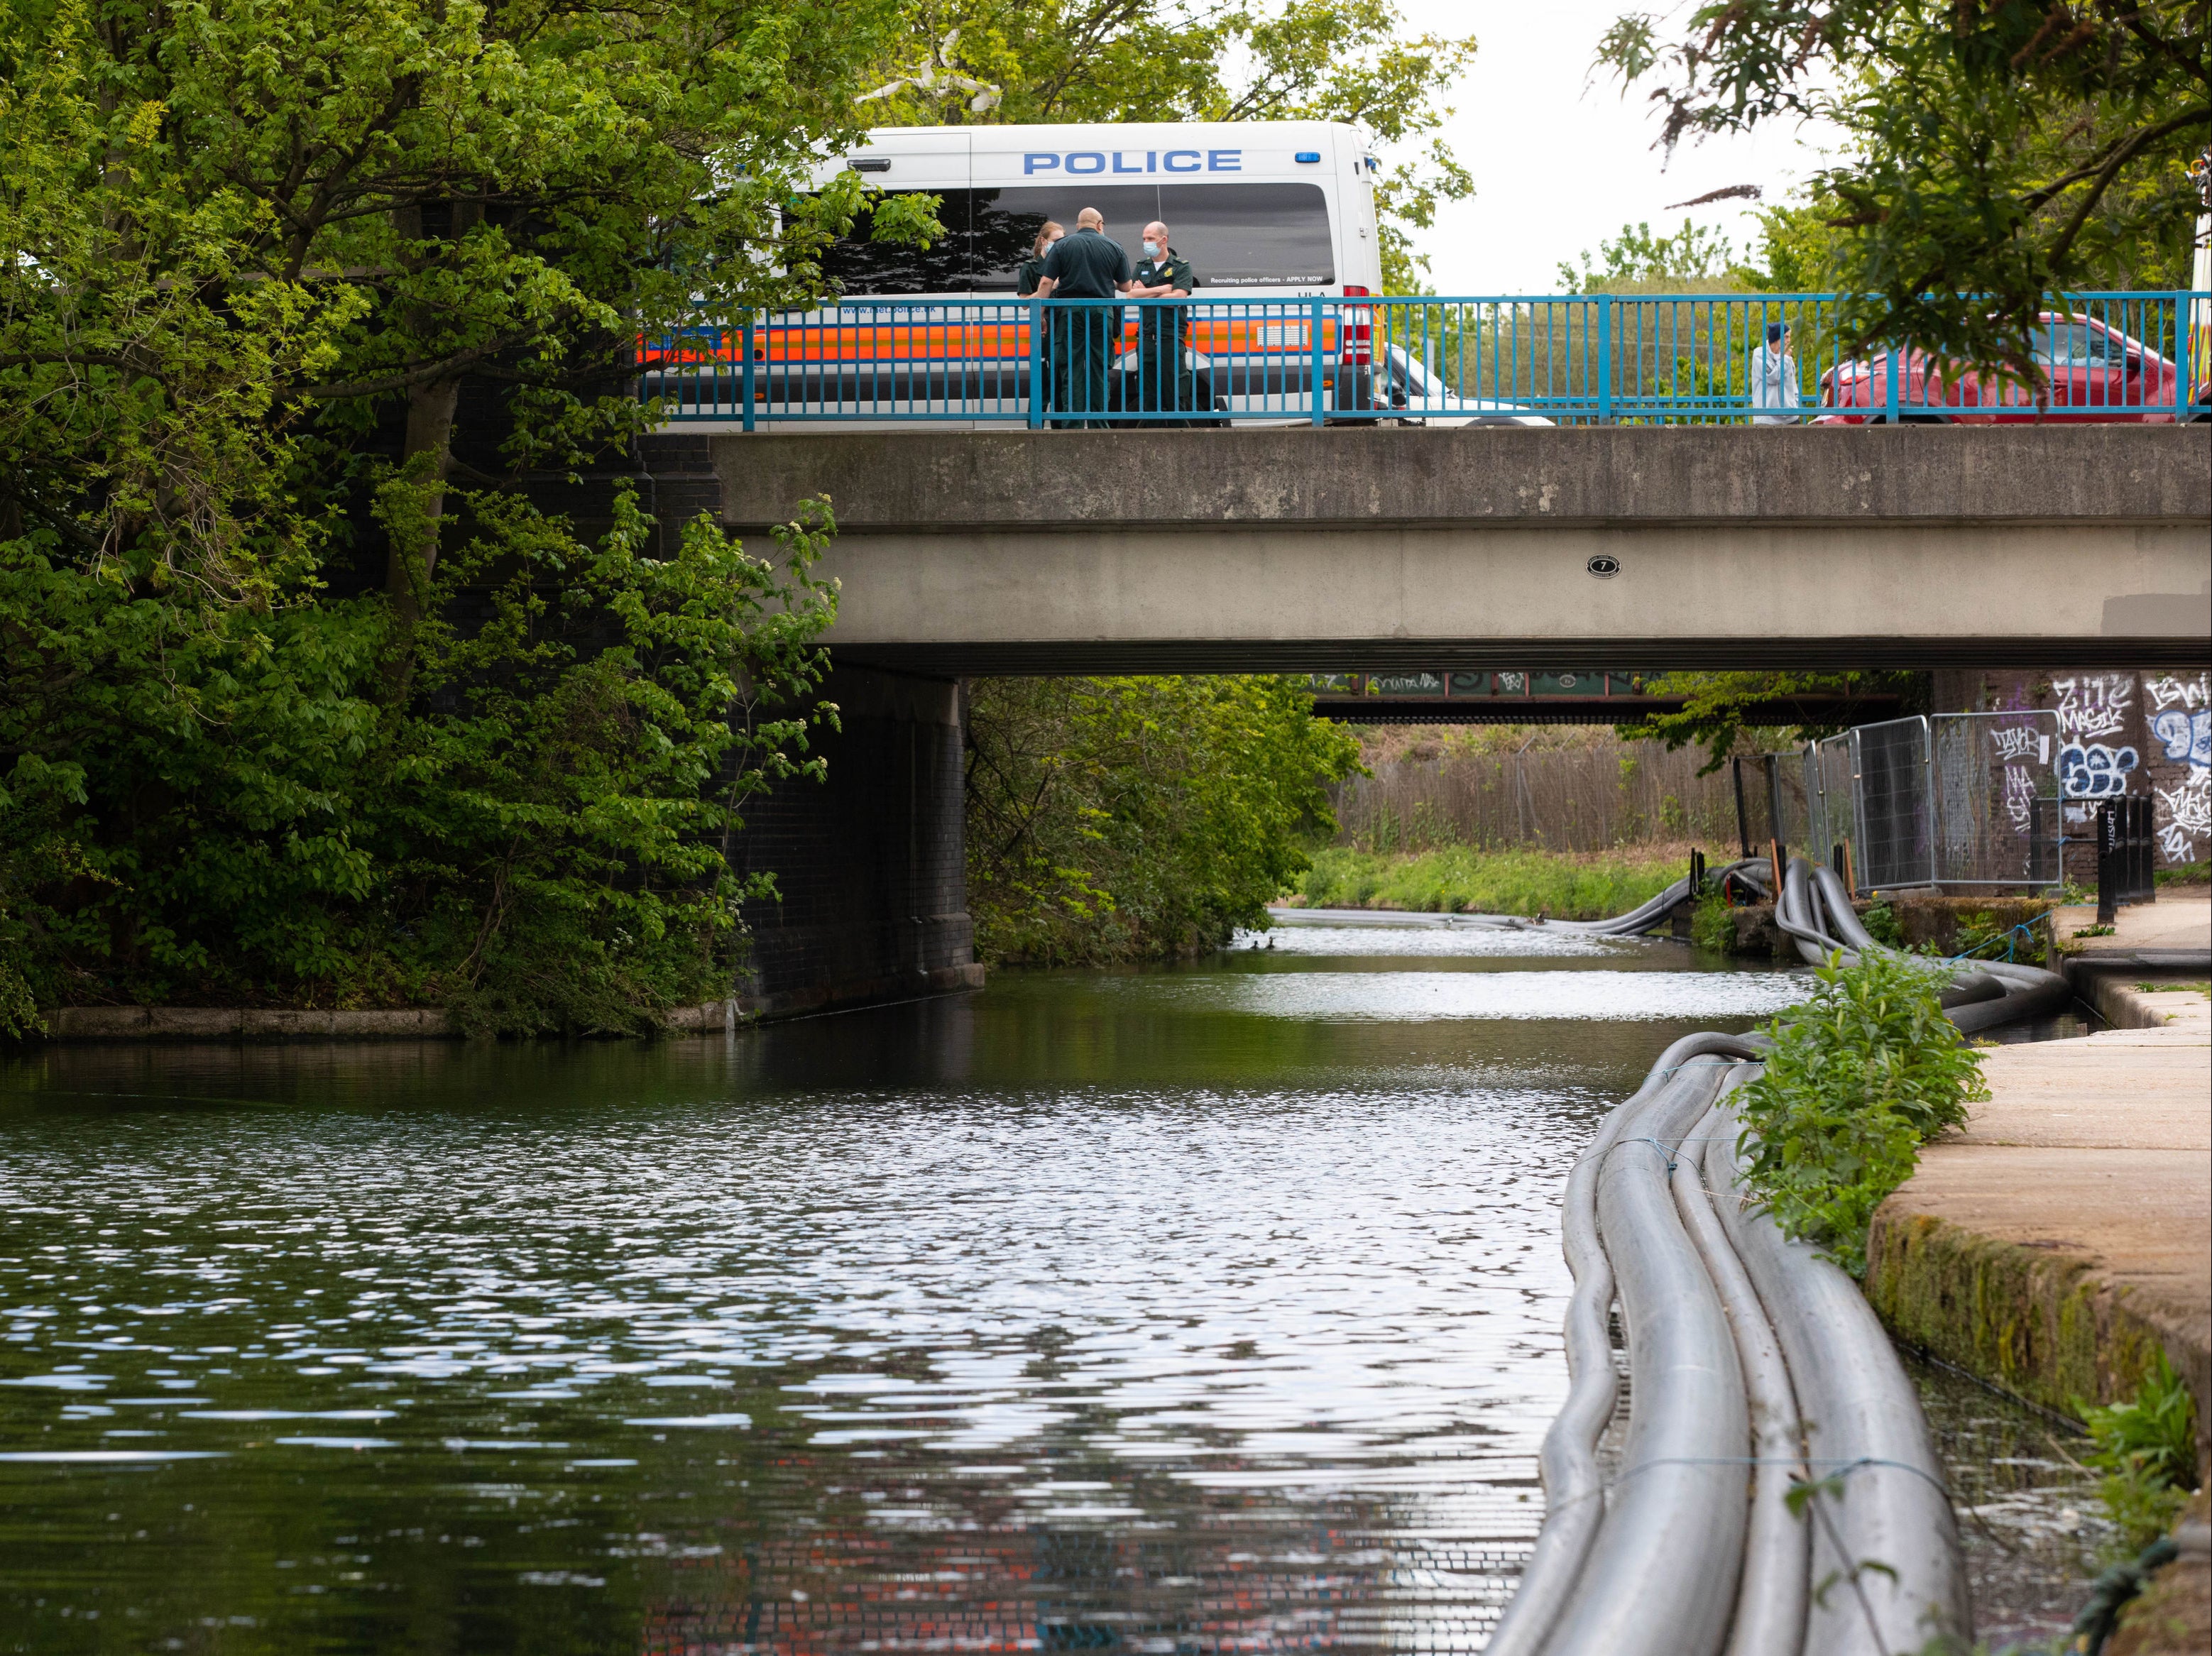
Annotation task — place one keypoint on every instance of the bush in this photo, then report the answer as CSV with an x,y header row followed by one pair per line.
x,y
1860,1076
517,809
1712,922
1125,818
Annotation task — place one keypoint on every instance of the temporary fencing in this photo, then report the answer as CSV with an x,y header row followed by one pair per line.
x,y
1953,799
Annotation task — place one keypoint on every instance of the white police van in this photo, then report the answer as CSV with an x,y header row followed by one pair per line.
x,y
1278,208
1272,215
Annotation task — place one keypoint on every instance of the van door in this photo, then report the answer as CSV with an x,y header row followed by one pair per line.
x,y
927,159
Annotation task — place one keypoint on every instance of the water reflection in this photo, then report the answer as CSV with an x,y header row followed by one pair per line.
x,y
1204,1309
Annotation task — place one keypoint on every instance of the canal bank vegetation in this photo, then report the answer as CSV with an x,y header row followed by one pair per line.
x,y
1565,885
1863,1073
304,700
1116,819
2146,1448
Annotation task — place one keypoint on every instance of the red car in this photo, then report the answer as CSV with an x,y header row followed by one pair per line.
x,y
2092,371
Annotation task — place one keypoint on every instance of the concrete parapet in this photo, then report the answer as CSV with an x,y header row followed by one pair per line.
x,y
2017,475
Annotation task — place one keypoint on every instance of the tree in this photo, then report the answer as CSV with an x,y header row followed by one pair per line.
x,y
997,60
1697,253
1125,818
2001,149
1718,708
252,253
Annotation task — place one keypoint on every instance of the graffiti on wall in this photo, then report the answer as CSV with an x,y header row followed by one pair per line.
x,y
2094,771
2092,705
2182,725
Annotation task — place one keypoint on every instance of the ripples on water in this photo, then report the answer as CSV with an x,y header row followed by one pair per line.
x,y
1194,1310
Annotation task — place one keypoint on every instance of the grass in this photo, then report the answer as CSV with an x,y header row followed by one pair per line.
x,y
1460,879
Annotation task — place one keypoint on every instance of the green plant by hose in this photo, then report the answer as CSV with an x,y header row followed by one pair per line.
x,y
2147,1449
1862,1075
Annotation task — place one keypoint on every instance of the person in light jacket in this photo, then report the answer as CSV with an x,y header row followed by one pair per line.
x,y
1774,379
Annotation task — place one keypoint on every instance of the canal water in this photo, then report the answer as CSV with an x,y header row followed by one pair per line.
x,y
1193,1309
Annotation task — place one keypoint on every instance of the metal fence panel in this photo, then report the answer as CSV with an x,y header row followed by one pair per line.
x,y
1996,797
1668,359
1889,771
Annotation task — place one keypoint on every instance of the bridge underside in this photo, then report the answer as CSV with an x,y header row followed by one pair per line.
x,y
1502,548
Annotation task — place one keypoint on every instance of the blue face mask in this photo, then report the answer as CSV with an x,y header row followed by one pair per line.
x,y
1152,249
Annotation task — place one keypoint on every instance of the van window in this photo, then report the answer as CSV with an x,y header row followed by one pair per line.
x,y
857,265
1006,222
1251,235
1235,235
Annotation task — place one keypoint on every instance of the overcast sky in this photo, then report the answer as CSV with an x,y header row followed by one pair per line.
x,y
1556,167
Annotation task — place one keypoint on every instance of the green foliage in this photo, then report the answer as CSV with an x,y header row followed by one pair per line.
x,y
1861,1076
1993,153
1712,922
533,836
966,61
1882,925
1718,708
249,255
1123,818
2147,1449
1696,251
1467,880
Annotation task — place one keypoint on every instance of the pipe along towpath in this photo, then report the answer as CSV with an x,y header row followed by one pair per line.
x,y
1777,1493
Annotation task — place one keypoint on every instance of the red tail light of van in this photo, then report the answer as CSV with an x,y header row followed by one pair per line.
x,y
1358,331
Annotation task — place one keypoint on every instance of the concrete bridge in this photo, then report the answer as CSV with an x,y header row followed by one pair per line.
x,y
1396,551
1497,547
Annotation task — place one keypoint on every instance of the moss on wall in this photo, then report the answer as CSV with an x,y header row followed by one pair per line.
x,y
2041,1325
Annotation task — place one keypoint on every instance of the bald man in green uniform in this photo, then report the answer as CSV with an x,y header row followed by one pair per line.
x,y
1162,382
1086,266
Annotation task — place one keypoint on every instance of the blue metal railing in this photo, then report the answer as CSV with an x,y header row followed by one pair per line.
x,y
1599,359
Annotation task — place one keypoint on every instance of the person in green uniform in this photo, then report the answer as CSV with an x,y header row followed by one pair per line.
x,y
1028,276
1084,266
1030,272
1162,330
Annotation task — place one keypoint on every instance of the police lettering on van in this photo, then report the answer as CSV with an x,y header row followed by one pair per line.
x,y
1086,163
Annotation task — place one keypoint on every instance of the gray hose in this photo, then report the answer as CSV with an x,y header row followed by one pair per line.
x,y
1982,995
1568,1460
1884,1504
1660,1579
1769,1604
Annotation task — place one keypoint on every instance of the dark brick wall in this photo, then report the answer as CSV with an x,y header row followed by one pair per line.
x,y
871,863
2150,725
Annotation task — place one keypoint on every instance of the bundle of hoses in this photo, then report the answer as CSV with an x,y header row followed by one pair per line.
x,y
1815,912
1776,1493
1645,916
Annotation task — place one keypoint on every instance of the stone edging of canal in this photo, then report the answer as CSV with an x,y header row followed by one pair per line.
x,y
2065,1235
713,1018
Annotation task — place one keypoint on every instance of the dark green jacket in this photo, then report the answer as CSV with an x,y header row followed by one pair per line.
x,y
1086,265
1173,271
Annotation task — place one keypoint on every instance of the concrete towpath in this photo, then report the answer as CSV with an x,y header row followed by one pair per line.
x,y
2066,1233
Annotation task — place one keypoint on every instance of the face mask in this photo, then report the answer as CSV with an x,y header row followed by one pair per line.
x,y
1152,249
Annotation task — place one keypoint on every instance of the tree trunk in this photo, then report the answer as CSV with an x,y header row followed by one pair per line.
x,y
413,553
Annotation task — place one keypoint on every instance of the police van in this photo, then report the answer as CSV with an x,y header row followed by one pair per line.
x,y
1272,213
1278,207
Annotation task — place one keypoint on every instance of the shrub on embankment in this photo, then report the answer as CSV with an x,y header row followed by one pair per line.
x,y
1114,819
1460,879
1863,1073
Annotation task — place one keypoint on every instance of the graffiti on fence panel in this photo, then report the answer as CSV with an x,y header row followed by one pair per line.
x,y
2094,704
2094,771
